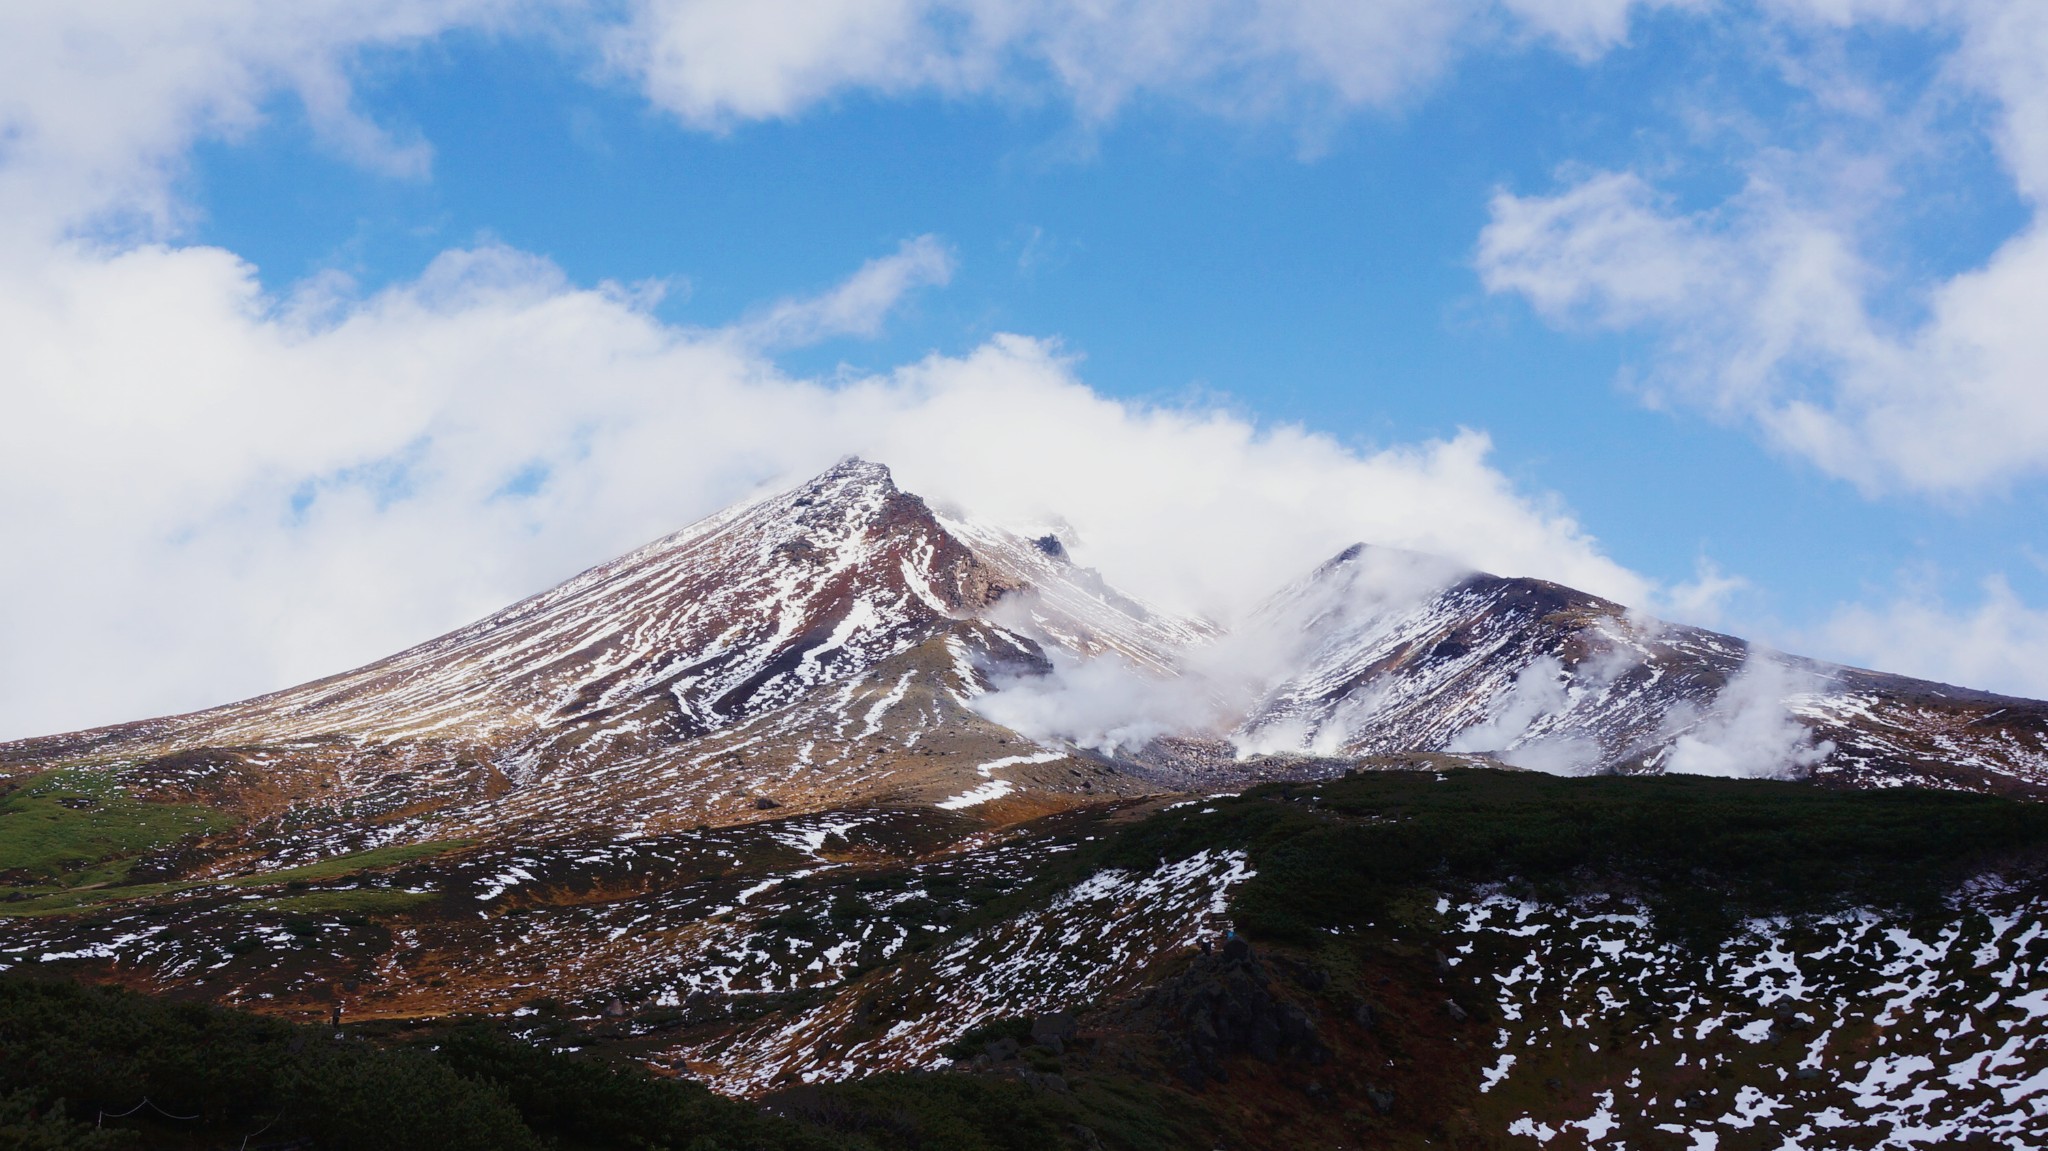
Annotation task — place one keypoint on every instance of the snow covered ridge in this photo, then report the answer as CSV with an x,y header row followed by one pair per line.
x,y
1401,654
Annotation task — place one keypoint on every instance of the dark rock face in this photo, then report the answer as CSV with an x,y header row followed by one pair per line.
x,y
1053,1031
1223,1006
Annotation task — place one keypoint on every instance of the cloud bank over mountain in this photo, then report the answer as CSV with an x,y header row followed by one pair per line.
x,y
220,492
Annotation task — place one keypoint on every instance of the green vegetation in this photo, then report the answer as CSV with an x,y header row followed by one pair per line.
x,y
954,1112
75,828
1340,867
99,1050
69,838
86,898
1703,852
71,1054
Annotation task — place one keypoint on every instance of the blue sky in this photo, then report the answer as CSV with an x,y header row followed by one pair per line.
x,y
1326,281
1215,227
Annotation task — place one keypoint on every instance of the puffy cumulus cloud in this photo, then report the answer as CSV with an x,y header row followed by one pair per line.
x,y
1768,308
1996,644
716,62
1199,508
211,492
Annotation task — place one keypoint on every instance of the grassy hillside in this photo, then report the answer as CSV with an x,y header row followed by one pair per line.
x,y
65,829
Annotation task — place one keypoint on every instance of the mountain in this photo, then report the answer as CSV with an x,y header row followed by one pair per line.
x,y
825,646
813,649
1392,652
734,806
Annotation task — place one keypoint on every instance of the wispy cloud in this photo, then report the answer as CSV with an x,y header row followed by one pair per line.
x,y
1996,643
715,63
1765,306
858,305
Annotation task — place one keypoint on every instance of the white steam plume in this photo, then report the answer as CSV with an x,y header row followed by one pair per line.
x,y
1749,731
1539,690
1250,683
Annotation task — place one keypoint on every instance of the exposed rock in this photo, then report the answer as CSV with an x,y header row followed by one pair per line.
x,y
1223,1006
1050,1030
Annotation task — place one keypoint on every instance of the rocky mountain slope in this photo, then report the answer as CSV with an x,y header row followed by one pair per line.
x,y
1465,959
734,806
826,646
810,650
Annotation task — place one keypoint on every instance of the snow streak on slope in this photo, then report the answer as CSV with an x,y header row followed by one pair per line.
x,y
1090,943
811,648
1402,653
737,614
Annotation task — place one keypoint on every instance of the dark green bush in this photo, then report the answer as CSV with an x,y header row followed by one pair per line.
x,y
213,1076
1703,852
928,1113
101,1049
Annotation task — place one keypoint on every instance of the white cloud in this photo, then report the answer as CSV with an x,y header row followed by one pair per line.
x,y
1104,703
1701,600
211,490
1539,690
1998,644
1766,307
1587,28
715,63
99,102
858,305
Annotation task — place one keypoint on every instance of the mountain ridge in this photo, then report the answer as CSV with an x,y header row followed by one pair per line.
x,y
790,628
